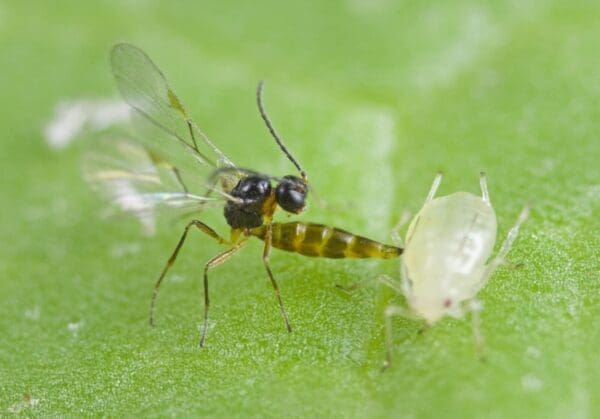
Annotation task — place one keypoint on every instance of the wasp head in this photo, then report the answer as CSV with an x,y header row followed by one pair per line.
x,y
291,194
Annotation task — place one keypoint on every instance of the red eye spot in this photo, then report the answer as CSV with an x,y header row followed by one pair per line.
x,y
447,302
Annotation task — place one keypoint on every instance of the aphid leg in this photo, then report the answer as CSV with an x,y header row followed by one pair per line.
x,y
396,237
485,195
513,233
383,279
389,282
404,280
513,265
355,285
424,328
434,187
202,227
391,311
266,253
215,261
474,307
504,249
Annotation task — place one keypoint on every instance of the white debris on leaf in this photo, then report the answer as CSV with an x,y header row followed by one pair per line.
x,y
27,402
178,278
33,313
74,327
125,249
531,383
533,352
129,199
72,117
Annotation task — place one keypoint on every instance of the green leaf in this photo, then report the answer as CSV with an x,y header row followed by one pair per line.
x,y
372,97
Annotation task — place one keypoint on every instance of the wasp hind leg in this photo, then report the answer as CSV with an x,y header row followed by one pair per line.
x,y
266,254
194,223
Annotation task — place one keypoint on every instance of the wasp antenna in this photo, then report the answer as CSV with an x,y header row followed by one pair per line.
x,y
265,118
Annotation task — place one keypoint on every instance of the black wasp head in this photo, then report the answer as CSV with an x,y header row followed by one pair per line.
x,y
252,189
291,194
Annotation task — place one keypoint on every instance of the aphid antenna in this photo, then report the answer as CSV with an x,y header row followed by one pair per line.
x,y
263,114
434,186
484,188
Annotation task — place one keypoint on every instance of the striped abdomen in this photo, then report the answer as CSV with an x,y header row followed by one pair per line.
x,y
323,241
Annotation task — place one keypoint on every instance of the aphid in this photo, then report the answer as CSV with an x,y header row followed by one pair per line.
x,y
142,179
445,261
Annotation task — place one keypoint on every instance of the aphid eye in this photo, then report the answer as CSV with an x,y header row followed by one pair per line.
x,y
447,302
291,194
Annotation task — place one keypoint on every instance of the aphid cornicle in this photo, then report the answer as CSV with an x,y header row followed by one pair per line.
x,y
143,178
446,257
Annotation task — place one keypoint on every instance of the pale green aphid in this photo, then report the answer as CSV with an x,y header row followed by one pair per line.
x,y
446,259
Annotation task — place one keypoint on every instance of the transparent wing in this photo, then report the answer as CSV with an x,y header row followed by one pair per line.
x,y
140,181
145,88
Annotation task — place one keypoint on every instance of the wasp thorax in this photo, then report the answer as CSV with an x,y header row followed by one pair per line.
x,y
252,188
291,194
252,192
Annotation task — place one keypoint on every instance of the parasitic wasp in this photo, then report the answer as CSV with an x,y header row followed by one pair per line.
x,y
147,175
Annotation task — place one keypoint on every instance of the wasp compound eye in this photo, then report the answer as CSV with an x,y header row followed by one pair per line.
x,y
291,194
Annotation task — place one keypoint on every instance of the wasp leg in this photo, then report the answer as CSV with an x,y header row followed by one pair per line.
x,y
434,187
202,227
215,261
504,249
266,253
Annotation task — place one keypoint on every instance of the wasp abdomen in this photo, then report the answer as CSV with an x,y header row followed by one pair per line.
x,y
319,240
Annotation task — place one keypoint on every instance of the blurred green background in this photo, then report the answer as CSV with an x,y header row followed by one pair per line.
x,y
373,97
